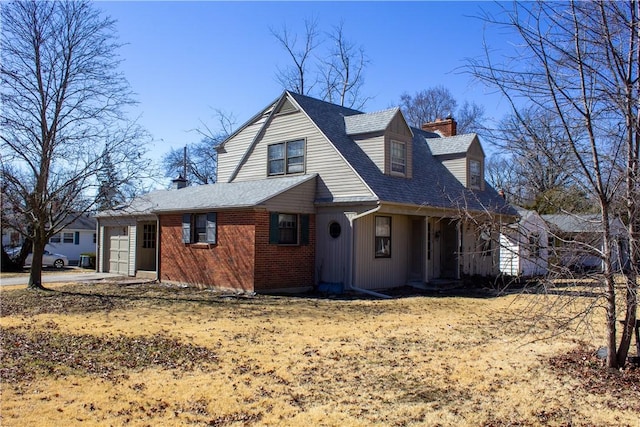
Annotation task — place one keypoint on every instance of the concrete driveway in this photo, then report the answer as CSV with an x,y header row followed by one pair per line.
x,y
79,275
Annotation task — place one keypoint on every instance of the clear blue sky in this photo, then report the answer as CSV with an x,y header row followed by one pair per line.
x,y
184,59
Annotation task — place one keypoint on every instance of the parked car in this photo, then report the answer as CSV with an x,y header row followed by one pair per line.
x,y
50,259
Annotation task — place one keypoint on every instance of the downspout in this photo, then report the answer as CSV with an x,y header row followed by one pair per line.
x,y
349,286
157,249
98,247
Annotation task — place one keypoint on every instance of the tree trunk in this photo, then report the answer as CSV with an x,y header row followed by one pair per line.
x,y
610,286
35,276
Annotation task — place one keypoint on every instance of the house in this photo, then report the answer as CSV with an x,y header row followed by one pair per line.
x,y
311,193
76,238
523,246
576,241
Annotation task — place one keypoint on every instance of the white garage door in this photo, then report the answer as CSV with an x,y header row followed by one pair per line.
x,y
118,251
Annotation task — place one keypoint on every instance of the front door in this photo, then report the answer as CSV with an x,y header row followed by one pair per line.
x,y
449,249
146,246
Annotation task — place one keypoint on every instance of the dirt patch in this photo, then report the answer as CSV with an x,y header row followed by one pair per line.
x,y
583,365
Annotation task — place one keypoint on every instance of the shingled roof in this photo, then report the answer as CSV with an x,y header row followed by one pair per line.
x,y
369,122
432,184
457,144
211,196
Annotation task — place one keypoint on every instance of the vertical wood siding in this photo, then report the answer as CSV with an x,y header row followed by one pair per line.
x,y
332,254
380,273
474,260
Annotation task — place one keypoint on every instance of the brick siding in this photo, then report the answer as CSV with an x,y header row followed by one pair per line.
x,y
283,266
242,259
228,264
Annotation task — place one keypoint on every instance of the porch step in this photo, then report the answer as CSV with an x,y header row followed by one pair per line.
x,y
151,275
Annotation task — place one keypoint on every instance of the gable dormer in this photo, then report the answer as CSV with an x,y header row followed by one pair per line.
x,y
385,138
463,156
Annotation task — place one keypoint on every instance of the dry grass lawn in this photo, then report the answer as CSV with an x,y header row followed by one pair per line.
x,y
153,355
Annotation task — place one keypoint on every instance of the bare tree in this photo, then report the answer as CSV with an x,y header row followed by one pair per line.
x,y
580,63
335,75
343,71
63,108
296,76
544,175
438,103
201,157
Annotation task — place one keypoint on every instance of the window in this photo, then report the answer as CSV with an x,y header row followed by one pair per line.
x,y
288,229
148,236
94,237
334,229
67,237
56,238
398,157
286,157
199,228
383,237
475,175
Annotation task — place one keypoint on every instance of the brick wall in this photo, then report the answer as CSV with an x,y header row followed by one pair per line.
x,y
281,266
228,264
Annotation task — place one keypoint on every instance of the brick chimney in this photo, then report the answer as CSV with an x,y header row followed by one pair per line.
x,y
445,127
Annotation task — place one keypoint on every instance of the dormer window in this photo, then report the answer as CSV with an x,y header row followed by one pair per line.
x,y
286,157
398,158
475,174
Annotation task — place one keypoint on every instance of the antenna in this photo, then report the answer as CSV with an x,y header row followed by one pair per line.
x,y
184,163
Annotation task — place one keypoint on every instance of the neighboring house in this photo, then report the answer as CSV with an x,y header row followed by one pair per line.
x,y
576,241
524,248
312,193
76,238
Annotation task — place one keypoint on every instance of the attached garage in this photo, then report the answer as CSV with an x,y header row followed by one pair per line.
x,y
116,246
118,250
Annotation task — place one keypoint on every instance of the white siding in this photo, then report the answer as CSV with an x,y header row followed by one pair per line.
x,y
516,255
72,250
509,258
132,249
337,179
100,250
